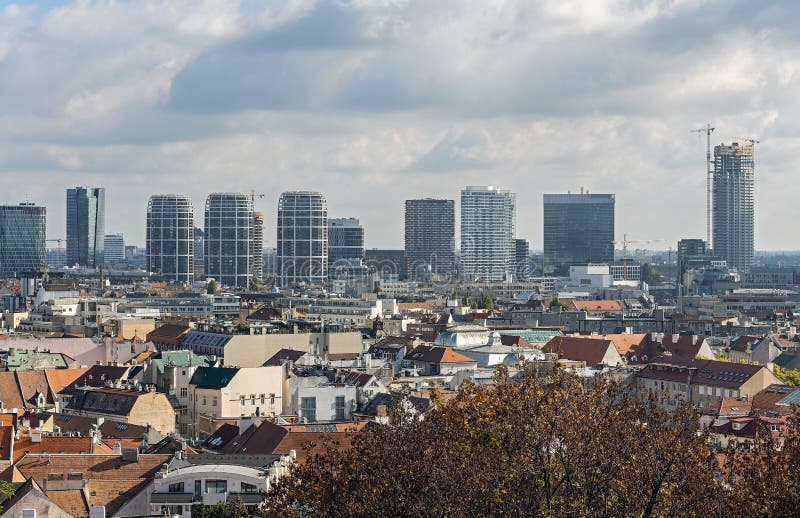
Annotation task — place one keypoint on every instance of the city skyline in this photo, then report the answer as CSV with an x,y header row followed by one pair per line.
x,y
554,100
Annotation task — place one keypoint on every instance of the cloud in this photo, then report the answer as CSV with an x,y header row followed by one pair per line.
x,y
376,101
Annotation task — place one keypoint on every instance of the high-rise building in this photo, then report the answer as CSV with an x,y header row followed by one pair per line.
x,y
170,237
302,238
578,230
258,245
22,239
85,225
345,242
386,263
228,239
522,257
199,254
113,248
732,213
270,255
690,251
430,229
488,224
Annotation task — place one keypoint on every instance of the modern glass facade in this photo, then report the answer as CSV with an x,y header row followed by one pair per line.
x,y
302,238
488,225
86,208
345,241
22,239
733,210
430,228
113,248
578,229
522,256
199,258
258,245
228,239
170,237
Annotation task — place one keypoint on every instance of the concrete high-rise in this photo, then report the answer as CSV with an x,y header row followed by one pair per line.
x,y
228,239
258,245
522,258
345,242
578,230
733,209
430,228
170,237
85,225
113,249
302,251
199,251
22,239
488,225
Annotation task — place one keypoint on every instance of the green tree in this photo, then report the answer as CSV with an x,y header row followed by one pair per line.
x,y
789,376
485,301
560,446
211,287
6,491
233,508
650,275
254,283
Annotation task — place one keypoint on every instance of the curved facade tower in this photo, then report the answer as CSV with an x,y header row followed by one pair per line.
x,y
302,254
170,237
229,238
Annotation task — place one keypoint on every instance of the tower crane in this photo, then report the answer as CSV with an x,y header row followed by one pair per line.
x,y
254,195
709,174
625,242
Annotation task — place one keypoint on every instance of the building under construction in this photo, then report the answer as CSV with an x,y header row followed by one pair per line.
x,y
733,209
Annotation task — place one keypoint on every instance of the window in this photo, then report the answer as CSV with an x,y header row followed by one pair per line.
x,y
249,488
339,407
308,408
184,411
184,392
205,402
263,399
272,399
176,488
214,401
241,399
216,486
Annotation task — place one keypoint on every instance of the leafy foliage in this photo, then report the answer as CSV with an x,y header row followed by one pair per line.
x,y
531,447
233,508
211,287
789,376
6,491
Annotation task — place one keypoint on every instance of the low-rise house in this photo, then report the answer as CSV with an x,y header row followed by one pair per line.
x,y
185,481
739,431
228,392
439,361
390,351
591,351
95,376
168,337
120,483
316,398
702,382
776,399
367,385
381,405
124,405
742,347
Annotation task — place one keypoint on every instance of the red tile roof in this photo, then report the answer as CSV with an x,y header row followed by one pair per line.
x,y
436,354
578,348
596,306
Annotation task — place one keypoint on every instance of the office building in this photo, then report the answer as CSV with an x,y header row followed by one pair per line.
x,y
258,246
85,225
389,265
228,239
170,237
732,213
522,257
345,242
22,239
302,238
430,238
199,254
578,230
113,249
488,224
270,256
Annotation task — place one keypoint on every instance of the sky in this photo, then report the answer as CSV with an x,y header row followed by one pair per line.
x,y
374,102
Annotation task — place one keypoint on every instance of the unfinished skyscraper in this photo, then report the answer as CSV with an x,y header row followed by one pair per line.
x,y
733,214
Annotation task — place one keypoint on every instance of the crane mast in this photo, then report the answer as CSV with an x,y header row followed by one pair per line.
x,y
709,175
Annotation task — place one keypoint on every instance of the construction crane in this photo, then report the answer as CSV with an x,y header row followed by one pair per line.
x,y
752,141
58,240
625,242
709,174
254,195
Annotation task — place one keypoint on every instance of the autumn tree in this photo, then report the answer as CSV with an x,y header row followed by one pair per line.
x,y
558,446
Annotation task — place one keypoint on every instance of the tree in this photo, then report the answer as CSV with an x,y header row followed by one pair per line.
x,y
6,491
254,283
485,301
650,275
232,508
211,287
789,376
530,447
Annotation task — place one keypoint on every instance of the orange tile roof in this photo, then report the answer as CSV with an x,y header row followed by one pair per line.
x,y
623,342
111,482
309,443
6,436
60,378
51,444
412,306
596,305
72,501
450,356
732,405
